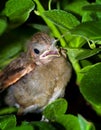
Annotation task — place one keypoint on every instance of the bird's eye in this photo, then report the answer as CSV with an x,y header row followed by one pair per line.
x,y
36,51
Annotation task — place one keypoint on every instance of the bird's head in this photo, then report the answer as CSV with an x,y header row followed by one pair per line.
x,y
42,48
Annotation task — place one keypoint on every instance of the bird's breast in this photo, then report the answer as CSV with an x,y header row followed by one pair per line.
x,y
39,85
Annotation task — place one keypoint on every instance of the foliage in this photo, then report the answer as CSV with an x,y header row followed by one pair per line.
x,y
55,112
77,24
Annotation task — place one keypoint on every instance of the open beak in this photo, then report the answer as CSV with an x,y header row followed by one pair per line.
x,y
51,52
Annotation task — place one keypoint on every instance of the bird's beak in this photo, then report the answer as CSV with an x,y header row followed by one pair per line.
x,y
51,52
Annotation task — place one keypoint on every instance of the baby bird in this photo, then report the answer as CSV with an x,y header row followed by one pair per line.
x,y
37,77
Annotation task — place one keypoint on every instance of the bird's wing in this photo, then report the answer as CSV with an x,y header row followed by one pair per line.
x,y
14,71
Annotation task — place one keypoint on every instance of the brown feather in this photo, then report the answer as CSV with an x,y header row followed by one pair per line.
x,y
15,70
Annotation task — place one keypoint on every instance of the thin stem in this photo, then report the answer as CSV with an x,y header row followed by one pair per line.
x,y
49,4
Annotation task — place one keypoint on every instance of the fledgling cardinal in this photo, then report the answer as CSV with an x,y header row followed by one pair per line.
x,y
37,77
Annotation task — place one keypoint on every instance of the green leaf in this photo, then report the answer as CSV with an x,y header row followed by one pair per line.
x,y
88,30
17,21
3,26
72,53
85,69
98,1
13,43
40,27
7,110
87,66
8,52
84,124
23,127
62,18
57,107
69,122
17,7
95,7
18,10
84,63
42,125
74,41
86,53
75,6
7,122
90,85
87,16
